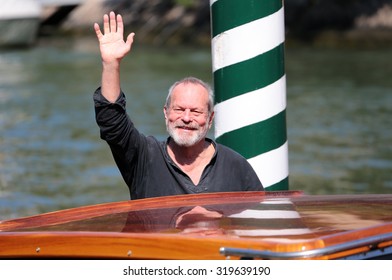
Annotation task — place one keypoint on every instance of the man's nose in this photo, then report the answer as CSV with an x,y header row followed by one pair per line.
x,y
187,116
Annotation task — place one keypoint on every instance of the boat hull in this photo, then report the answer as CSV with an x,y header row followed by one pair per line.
x,y
18,32
19,22
257,225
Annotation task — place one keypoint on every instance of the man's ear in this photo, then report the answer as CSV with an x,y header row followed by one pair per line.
x,y
165,112
211,119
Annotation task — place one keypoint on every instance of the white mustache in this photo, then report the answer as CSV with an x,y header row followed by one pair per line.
x,y
190,127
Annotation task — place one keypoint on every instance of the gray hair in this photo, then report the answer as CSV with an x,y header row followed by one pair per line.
x,y
195,81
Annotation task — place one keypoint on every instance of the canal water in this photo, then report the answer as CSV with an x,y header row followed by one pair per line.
x,y
339,120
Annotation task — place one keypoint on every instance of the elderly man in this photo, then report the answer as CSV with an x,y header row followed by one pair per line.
x,y
187,162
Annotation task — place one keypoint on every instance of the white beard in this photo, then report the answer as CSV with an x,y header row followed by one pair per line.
x,y
186,139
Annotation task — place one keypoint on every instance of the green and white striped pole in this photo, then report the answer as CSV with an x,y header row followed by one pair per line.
x,y
250,84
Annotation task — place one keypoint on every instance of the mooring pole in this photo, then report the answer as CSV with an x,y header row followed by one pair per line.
x,y
250,84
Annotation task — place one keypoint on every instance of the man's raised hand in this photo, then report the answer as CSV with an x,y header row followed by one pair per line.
x,y
111,43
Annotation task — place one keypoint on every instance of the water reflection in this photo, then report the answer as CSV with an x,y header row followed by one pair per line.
x,y
51,156
339,118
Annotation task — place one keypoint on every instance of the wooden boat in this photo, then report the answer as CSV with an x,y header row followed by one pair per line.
x,y
240,225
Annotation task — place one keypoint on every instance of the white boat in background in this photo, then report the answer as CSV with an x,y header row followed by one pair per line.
x,y
19,22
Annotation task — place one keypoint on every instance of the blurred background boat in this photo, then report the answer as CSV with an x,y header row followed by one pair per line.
x,y
21,20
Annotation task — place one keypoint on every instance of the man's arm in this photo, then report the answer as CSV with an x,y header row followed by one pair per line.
x,y
113,49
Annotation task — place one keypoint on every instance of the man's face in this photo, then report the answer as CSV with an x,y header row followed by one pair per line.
x,y
187,118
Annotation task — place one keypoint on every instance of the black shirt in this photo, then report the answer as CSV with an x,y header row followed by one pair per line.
x,y
148,169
